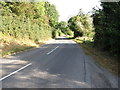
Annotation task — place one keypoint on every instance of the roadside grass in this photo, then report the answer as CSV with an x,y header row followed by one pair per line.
x,y
102,58
10,45
15,50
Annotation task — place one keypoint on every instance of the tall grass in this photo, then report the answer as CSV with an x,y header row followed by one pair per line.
x,y
10,45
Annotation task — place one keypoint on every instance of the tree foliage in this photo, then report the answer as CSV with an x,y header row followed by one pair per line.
x,y
28,19
63,26
107,27
51,13
81,24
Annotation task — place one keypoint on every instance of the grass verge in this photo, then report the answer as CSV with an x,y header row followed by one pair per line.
x,y
100,57
10,45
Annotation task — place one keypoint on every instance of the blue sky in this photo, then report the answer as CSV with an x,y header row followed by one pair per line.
x,y
69,8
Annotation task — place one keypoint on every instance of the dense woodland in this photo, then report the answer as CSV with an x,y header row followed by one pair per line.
x,y
107,27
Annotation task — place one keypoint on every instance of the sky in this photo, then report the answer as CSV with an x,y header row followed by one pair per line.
x,y
69,8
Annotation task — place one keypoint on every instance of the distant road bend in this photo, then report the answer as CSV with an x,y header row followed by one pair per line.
x,y
60,63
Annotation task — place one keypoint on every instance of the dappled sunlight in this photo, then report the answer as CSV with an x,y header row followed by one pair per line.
x,y
44,74
43,79
37,74
11,63
8,61
39,49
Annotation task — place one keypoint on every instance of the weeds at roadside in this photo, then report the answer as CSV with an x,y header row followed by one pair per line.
x,y
10,45
103,58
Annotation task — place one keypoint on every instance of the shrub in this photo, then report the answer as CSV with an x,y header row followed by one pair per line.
x,y
55,33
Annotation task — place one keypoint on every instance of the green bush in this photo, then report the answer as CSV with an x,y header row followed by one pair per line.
x,y
106,22
55,34
60,33
31,21
81,24
70,33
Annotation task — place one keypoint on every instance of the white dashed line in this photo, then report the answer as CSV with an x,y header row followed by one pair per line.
x,y
52,50
15,72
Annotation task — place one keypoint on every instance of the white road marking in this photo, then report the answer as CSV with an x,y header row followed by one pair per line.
x,y
52,50
15,72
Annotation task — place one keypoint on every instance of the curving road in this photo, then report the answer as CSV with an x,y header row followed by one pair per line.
x,y
60,63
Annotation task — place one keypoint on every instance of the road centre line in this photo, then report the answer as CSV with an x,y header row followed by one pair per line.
x,y
15,72
52,50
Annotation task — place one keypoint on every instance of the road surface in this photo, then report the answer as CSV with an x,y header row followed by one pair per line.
x,y
60,63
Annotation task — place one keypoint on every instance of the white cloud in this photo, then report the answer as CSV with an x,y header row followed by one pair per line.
x,y
68,8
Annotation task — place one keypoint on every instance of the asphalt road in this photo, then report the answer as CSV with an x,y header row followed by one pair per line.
x,y
60,63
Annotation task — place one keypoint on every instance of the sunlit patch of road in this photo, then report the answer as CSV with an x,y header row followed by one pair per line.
x,y
10,64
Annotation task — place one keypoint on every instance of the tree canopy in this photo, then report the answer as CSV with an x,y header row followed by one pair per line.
x,y
33,20
81,24
107,27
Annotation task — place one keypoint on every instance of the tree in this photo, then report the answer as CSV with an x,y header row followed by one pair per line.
x,y
81,24
29,22
51,13
106,22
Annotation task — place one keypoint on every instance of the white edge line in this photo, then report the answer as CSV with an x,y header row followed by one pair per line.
x,y
52,50
15,72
